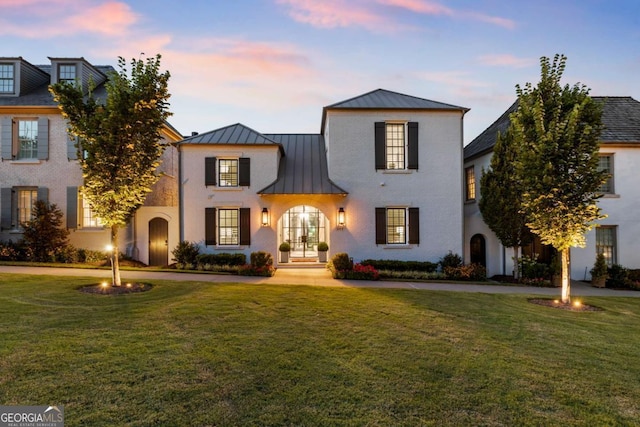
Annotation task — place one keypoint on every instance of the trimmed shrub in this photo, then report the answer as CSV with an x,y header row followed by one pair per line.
x,y
341,262
532,269
261,265
185,253
618,277
222,259
323,247
450,260
395,265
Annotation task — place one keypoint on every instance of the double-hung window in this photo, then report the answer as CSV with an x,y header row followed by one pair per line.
x,y
606,243
396,145
470,183
88,216
228,172
228,227
27,138
397,226
17,204
7,79
605,164
26,198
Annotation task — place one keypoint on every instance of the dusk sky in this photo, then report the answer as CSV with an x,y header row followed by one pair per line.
x,y
273,64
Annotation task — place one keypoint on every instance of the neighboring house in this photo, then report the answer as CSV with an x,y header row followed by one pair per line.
x,y
616,236
381,180
39,161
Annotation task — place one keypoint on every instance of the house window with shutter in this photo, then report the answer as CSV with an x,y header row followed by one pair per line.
x,y
17,203
606,243
397,226
88,217
6,79
396,145
226,172
24,138
227,226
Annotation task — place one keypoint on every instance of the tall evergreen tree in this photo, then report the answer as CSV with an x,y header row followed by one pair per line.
x,y
557,129
501,197
120,137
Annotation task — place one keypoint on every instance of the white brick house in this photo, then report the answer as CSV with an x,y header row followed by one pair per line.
x,y
381,180
616,236
39,161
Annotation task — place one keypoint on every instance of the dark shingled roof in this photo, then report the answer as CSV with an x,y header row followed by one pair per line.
x,y
40,96
303,170
232,134
620,117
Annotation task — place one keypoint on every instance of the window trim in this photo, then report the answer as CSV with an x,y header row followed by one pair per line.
x,y
614,246
410,148
75,72
470,187
611,179
12,79
411,226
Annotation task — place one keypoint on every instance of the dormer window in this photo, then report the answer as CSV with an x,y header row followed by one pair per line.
x,y
67,73
7,78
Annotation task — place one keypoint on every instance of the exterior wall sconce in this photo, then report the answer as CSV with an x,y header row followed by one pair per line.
x,y
341,217
265,217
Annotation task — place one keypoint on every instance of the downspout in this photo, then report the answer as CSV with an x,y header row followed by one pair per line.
x,y
180,196
462,184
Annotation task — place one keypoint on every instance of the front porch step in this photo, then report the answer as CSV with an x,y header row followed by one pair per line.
x,y
299,264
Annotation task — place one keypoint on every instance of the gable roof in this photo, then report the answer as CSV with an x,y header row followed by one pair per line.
x,y
620,117
304,169
232,134
382,99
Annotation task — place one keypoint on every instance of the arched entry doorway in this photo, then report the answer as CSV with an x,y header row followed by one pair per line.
x,y
303,227
158,241
478,250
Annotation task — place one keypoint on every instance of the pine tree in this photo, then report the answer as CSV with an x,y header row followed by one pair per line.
x,y
120,136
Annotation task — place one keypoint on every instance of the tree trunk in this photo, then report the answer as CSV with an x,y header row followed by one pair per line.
x,y
115,263
566,277
516,264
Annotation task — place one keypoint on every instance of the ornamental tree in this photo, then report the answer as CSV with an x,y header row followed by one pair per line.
x,y
120,140
557,129
501,193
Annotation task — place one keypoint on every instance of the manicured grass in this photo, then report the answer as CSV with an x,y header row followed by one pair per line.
x,y
197,354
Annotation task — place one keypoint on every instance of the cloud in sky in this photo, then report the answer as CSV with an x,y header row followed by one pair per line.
x,y
506,60
55,18
373,15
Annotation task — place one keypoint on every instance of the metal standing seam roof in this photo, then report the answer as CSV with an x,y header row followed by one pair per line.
x,y
382,99
304,169
237,134
620,117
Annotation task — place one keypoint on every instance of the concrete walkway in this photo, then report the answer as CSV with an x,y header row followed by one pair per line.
x,y
320,277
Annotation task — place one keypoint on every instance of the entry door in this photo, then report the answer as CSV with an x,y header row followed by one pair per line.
x,y
158,241
478,250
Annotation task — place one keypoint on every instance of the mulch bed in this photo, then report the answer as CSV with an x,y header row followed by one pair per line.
x,y
126,288
558,304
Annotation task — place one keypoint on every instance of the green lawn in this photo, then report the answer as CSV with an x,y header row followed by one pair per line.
x,y
197,354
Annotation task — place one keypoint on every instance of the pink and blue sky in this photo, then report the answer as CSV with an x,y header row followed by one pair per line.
x,y
273,64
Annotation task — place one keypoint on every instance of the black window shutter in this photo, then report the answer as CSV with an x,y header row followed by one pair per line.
x,y
414,226
6,139
43,194
245,226
381,226
72,207
43,138
244,172
412,142
210,171
6,199
380,138
209,226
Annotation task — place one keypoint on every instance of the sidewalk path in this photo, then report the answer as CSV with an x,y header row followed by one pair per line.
x,y
319,277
